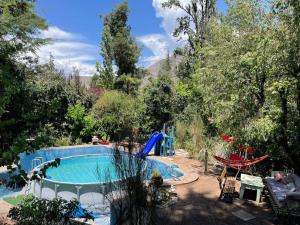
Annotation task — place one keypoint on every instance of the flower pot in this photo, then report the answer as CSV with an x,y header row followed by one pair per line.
x,y
104,142
157,181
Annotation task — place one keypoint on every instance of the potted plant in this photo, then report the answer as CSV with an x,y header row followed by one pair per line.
x,y
156,178
104,139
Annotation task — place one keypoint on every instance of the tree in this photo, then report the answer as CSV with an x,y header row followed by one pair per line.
x,y
248,83
116,114
193,26
194,23
18,26
158,98
38,111
125,52
120,49
166,66
104,77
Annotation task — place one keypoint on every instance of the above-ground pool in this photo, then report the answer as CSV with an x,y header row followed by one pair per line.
x,y
101,168
84,170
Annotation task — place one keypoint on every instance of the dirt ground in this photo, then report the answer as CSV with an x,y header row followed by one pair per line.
x,y
198,203
4,208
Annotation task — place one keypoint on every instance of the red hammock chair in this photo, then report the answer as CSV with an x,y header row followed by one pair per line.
x,y
240,164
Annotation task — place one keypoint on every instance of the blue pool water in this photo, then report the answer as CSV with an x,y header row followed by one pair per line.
x,y
91,164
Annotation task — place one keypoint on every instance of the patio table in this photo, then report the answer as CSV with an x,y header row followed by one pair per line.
x,y
252,183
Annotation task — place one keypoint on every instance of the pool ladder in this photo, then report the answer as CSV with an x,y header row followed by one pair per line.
x,y
36,162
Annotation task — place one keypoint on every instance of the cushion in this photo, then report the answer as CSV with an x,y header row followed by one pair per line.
x,y
278,189
291,187
288,179
296,179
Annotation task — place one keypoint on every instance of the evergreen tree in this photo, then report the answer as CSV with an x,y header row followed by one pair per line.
x,y
125,52
166,66
159,100
118,48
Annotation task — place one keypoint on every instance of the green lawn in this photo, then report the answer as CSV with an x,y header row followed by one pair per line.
x,y
14,200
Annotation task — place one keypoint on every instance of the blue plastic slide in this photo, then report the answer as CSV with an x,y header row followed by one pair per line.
x,y
155,137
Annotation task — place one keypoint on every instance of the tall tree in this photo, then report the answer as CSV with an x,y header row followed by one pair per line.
x,y
104,77
166,66
119,48
193,26
194,23
125,52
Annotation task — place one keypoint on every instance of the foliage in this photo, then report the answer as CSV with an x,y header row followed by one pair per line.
x,y
18,24
246,84
41,211
194,22
125,52
63,141
118,48
38,111
127,83
155,173
193,27
104,78
116,114
190,135
131,201
158,98
81,124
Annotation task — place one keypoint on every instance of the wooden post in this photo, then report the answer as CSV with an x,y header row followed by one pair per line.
x,y
205,161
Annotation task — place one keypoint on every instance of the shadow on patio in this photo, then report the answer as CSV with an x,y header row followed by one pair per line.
x,y
196,208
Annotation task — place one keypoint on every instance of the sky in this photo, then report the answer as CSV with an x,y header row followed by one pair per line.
x,y
75,28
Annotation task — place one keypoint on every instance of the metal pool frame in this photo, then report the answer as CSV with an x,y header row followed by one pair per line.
x,y
76,188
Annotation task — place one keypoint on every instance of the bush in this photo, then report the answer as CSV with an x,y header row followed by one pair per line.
x,y
81,124
34,211
191,136
63,141
116,114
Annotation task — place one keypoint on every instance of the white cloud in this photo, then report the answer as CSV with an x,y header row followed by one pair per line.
x,y
159,44
168,15
56,34
68,51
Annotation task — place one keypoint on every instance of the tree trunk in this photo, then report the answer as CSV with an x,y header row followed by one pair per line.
x,y
298,110
283,142
206,161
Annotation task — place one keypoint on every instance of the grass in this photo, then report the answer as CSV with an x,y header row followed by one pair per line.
x,y
14,200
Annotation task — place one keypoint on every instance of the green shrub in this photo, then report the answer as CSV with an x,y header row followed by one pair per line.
x,y
191,136
116,114
63,141
81,124
32,211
